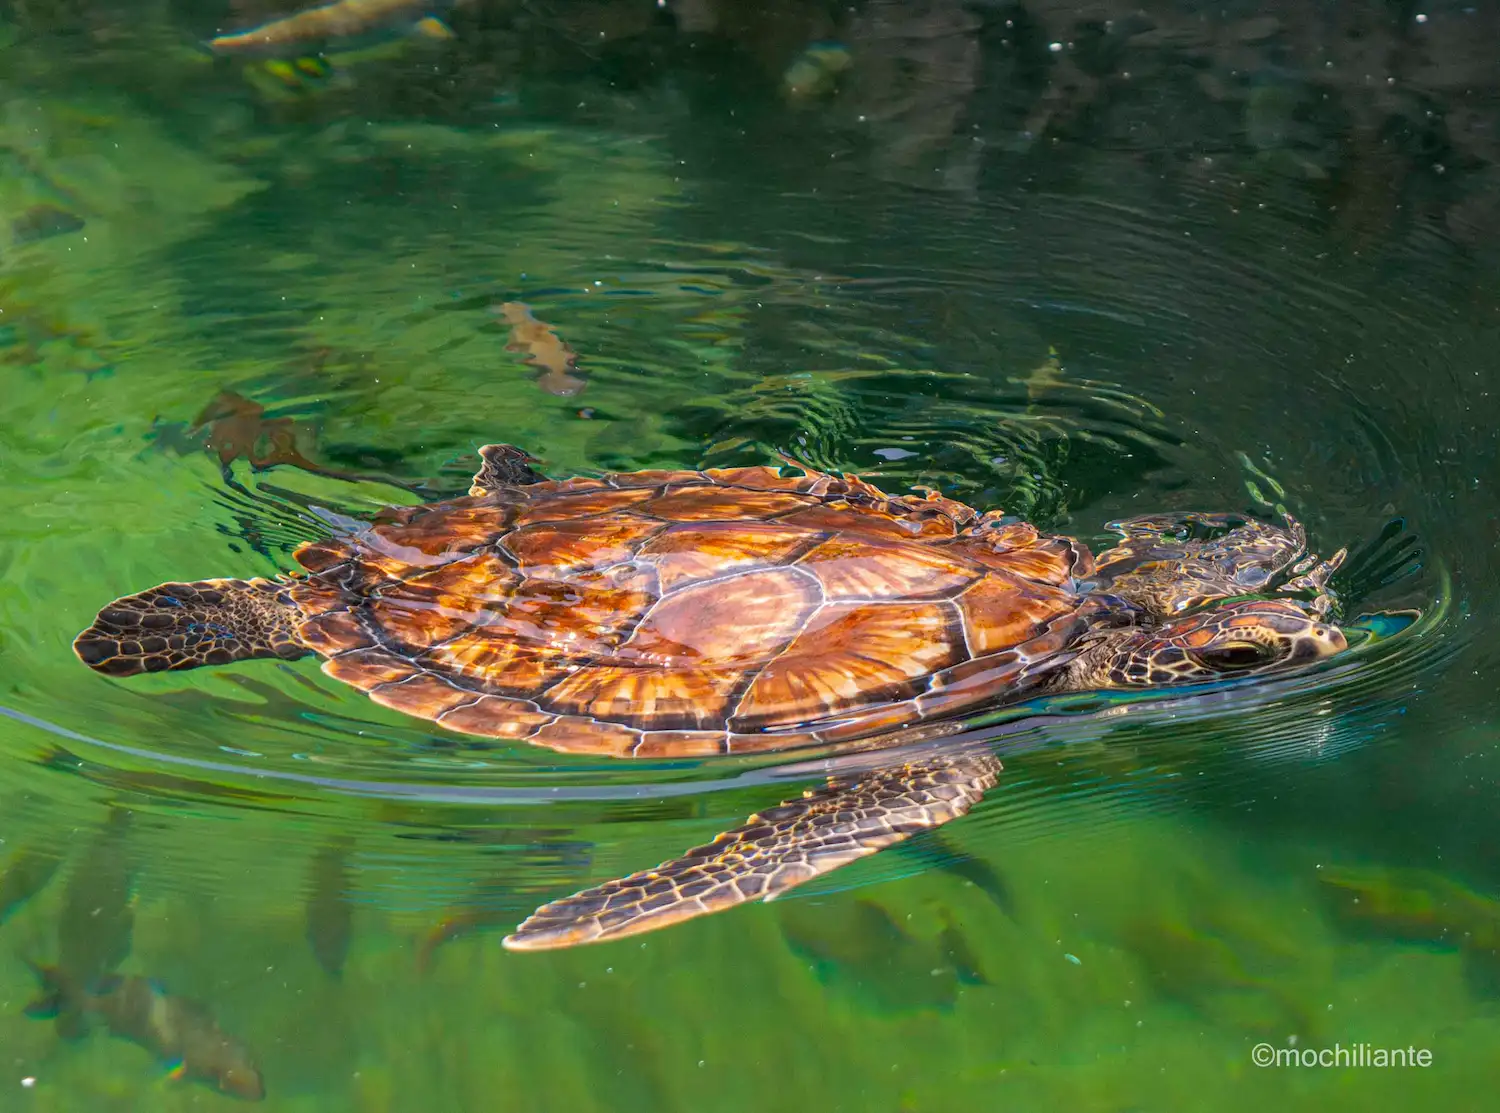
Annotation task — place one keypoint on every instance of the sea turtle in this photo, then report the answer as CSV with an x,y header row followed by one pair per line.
x,y
694,613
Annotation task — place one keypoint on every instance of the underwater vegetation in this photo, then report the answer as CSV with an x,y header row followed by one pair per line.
x,y
1421,907
1191,964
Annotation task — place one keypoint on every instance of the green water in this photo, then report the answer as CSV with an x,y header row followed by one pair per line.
x,y
1227,281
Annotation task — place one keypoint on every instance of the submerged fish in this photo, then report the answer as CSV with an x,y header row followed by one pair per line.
x,y
863,951
544,853
97,922
293,79
937,852
544,349
458,924
238,429
176,1029
816,72
328,913
344,24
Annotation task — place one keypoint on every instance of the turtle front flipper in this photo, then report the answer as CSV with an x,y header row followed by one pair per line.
x,y
773,851
184,626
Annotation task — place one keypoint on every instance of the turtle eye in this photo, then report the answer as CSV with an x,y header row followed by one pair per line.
x,y
1234,655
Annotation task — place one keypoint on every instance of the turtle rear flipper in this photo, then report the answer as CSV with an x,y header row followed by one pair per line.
x,y
184,626
771,852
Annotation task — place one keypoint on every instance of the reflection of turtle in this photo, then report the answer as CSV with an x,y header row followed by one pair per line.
x,y
682,613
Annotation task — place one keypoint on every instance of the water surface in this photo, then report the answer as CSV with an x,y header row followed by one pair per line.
x,y
1178,262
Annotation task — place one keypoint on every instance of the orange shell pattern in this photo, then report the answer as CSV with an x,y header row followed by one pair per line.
x,y
685,613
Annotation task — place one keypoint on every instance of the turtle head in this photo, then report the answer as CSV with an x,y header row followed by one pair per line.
x,y
1235,639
